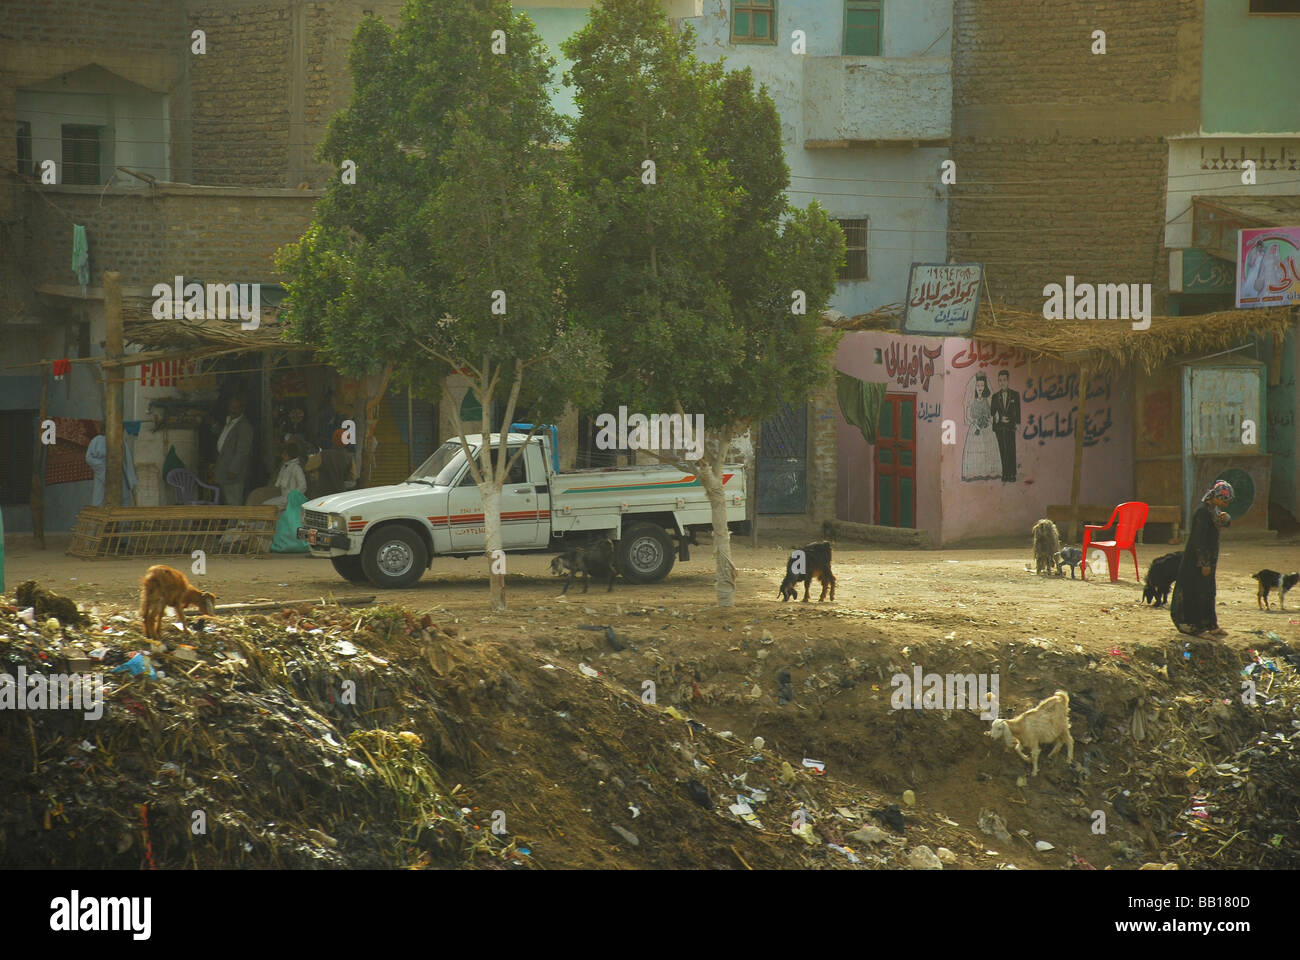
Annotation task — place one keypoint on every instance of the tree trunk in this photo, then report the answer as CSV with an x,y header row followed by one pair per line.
x,y
710,475
368,441
491,493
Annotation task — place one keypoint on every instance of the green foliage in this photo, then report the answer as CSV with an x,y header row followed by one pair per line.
x,y
457,195
691,278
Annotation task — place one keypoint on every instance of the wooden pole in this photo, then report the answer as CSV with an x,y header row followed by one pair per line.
x,y
38,467
1077,478
113,372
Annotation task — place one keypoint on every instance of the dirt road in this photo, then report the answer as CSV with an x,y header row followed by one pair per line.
x,y
986,592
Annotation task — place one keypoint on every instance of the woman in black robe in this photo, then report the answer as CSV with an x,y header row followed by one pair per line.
x,y
1192,608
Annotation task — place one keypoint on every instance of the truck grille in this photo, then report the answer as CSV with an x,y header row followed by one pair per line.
x,y
314,518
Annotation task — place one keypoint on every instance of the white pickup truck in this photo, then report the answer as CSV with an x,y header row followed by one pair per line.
x,y
390,535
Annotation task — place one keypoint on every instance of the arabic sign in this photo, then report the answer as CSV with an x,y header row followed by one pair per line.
x,y
1194,271
907,363
942,298
988,354
1268,267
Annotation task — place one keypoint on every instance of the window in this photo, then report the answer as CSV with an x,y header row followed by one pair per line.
x,y
1275,6
18,437
80,154
855,250
25,147
753,21
517,473
862,28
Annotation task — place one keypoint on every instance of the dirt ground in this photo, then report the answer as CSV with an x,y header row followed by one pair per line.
x,y
1161,737
984,592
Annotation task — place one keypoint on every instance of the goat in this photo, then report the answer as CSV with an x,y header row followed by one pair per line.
x,y
1272,580
1049,722
814,560
591,560
1047,546
1161,577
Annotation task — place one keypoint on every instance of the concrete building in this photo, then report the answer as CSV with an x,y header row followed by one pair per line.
x,y
1239,168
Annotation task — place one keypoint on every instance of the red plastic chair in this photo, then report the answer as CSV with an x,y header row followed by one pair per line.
x,y
1127,520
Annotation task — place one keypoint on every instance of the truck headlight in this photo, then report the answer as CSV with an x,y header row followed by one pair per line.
x,y
337,524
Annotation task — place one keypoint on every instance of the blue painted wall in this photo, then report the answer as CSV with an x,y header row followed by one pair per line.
x,y
554,26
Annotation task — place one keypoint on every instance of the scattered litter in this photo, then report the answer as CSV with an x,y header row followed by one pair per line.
x,y
759,743
1042,846
137,665
627,835
588,671
909,798
923,858
816,766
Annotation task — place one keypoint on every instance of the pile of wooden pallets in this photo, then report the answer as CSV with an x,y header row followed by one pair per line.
x,y
173,531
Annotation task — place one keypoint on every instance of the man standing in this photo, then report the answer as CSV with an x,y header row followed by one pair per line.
x,y
1006,421
97,458
234,448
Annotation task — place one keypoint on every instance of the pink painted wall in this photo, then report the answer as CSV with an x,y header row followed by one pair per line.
x,y
907,366
1044,442
960,490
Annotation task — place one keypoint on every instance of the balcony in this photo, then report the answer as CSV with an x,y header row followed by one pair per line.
x,y
862,100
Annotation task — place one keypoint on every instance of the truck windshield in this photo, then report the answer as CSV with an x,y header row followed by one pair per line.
x,y
442,466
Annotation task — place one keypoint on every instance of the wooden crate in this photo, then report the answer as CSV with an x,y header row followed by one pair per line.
x,y
173,531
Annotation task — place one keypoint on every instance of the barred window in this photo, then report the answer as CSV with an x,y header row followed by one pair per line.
x,y
855,250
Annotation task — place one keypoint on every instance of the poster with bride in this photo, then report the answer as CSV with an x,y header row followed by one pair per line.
x,y
1268,267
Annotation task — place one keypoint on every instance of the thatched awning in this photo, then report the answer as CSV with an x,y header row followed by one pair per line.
x,y
1106,344
207,338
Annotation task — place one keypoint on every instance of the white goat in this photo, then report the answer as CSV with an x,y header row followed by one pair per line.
x,y
1049,722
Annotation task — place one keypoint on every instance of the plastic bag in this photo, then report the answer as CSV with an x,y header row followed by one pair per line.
x,y
286,528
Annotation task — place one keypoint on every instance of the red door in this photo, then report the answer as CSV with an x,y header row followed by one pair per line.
x,y
895,461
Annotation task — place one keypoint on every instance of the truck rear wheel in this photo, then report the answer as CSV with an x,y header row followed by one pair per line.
x,y
349,568
645,554
394,557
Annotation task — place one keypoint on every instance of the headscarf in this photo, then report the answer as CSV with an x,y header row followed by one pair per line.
x,y
1221,489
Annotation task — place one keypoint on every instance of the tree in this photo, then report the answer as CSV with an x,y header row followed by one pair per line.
x,y
698,277
449,248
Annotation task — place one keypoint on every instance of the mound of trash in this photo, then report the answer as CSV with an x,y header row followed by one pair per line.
x,y
327,735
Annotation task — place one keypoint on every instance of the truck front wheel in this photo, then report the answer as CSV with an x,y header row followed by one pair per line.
x,y
349,568
394,557
645,554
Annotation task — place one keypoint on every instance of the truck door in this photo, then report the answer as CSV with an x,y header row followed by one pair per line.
x,y
540,481
465,517
519,502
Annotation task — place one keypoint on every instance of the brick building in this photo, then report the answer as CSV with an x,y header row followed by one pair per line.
x,y
1061,152
180,153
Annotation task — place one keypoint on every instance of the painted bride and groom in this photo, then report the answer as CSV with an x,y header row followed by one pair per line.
x,y
992,420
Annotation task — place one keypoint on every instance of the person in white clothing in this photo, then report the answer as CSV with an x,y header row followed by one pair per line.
x,y
291,476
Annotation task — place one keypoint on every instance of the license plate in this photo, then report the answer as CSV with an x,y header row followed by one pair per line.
x,y
311,535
